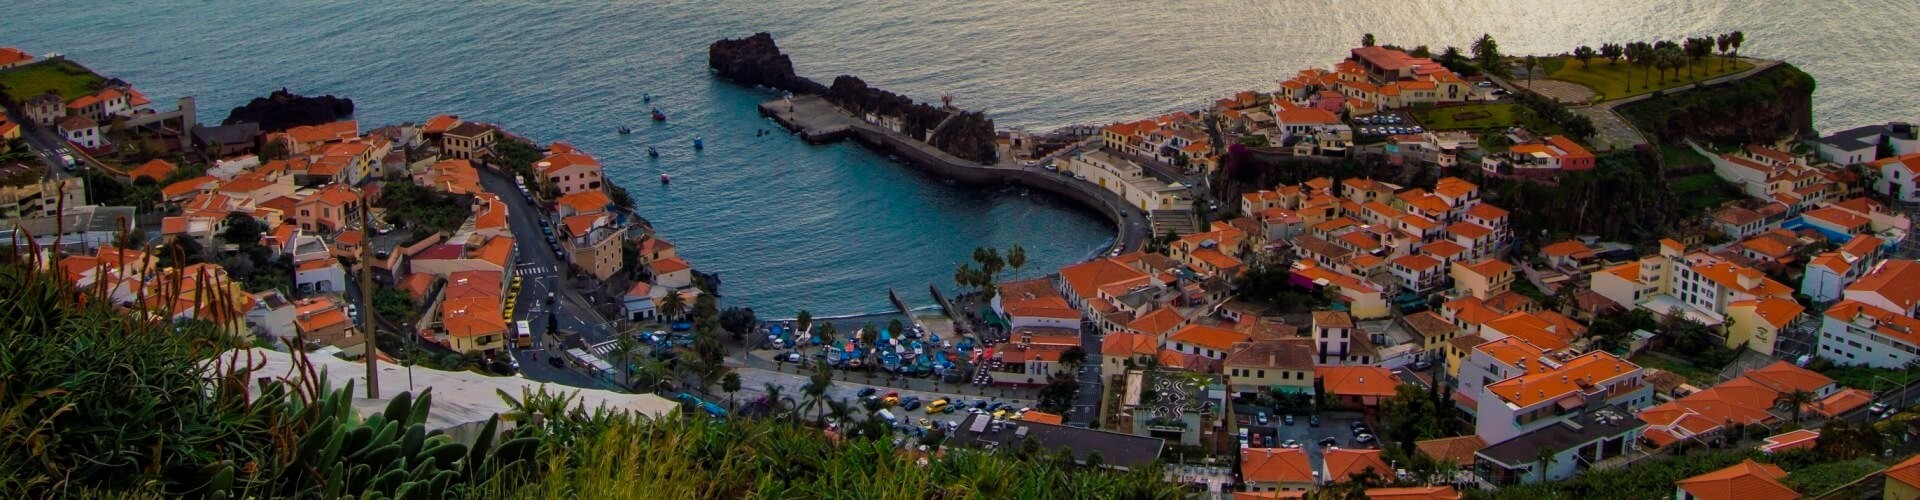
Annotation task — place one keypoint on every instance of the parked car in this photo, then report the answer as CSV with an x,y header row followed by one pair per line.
x,y
1290,443
868,391
1313,421
1261,418
1288,420
1329,441
911,405
1363,438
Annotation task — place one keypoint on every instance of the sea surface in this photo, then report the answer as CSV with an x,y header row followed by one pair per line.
x,y
830,228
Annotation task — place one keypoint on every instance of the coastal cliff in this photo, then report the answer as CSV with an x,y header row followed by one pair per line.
x,y
756,60
282,110
1775,104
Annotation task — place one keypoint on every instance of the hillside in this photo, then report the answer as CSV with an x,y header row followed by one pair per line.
x,y
1774,104
96,402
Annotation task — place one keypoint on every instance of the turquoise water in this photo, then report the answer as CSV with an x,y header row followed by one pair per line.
x,y
830,228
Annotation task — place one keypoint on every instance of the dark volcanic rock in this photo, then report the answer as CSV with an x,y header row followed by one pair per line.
x,y
283,110
966,134
755,60
1768,106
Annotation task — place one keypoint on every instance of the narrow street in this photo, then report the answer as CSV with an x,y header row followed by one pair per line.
x,y
541,273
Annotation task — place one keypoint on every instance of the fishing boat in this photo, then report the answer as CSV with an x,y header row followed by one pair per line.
x,y
658,116
698,145
652,153
645,97
664,180
625,131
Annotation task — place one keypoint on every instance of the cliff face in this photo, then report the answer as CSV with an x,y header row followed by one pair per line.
x,y
1772,105
283,110
966,134
755,60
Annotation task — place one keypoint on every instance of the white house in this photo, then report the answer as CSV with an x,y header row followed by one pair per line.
x,y
1896,176
1861,144
1874,323
640,301
319,276
82,131
1829,273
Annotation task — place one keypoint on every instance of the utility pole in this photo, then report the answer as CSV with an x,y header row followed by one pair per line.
x,y
366,301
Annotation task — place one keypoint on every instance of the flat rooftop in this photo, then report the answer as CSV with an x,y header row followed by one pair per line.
x,y
1122,451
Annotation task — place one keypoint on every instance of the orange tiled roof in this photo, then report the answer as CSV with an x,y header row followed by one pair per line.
x,y
1218,339
1896,280
1086,278
1275,465
669,265
1358,381
586,202
1158,322
562,161
1414,492
1540,386
1907,472
1747,480
1342,464
156,169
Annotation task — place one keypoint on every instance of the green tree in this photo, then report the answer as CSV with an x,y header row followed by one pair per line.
x,y
1486,52
1017,258
1058,395
1531,62
1366,40
1612,52
673,306
804,320
1585,54
1734,40
1795,401
730,383
1074,357
815,391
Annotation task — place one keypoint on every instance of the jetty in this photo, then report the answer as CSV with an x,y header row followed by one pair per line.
x,y
819,122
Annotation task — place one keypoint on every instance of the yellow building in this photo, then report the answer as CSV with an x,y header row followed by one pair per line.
x,y
1260,367
1483,279
1903,481
1755,324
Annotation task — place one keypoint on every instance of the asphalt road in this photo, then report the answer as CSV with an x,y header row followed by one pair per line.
x,y
540,271
46,144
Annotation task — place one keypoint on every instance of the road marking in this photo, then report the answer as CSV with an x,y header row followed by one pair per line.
x,y
530,271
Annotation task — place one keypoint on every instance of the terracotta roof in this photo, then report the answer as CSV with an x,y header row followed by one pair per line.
x,y
1458,449
1275,465
669,265
1843,218
1840,402
1907,472
1218,339
1747,480
1892,324
10,55
1128,344
1358,381
1086,278
586,202
472,317
1783,377
1774,310
1307,116
336,131
561,161
1797,439
1541,385
1413,493
1728,275
156,169
1429,324
1293,353
1896,280
1342,464
1443,249
1488,267
1487,211
1469,230
1565,248
1332,319
440,124
1417,262
1158,322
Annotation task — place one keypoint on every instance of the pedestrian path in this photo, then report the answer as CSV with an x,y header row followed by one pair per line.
x,y
526,270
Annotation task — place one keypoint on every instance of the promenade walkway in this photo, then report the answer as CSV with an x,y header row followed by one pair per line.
x,y
817,120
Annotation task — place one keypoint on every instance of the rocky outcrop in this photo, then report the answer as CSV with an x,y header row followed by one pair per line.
x,y
1774,104
283,110
755,60
966,134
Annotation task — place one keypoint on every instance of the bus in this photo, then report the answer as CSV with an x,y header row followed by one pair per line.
x,y
522,334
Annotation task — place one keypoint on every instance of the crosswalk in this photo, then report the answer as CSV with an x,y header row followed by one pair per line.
x,y
533,270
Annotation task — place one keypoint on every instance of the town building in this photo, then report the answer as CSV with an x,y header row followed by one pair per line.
x,y
1903,480
1873,324
1276,470
1745,480
569,170
1862,144
1551,155
1264,367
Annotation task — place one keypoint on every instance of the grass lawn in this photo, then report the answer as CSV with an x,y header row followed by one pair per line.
x,y
1610,79
69,79
1700,192
1483,116
1681,156
1695,375
1864,377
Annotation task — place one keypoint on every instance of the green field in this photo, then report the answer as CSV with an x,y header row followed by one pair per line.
x,y
1609,79
1697,376
1681,156
69,79
1483,116
1701,192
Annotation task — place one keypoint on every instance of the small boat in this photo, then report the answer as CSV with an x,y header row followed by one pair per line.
x,y
645,97
652,153
698,145
664,180
625,131
658,116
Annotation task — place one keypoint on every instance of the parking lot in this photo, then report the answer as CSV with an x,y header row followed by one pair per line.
x,y
1335,425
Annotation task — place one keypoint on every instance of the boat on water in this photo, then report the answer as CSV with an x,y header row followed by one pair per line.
x,y
658,116
664,179
625,131
698,145
645,97
652,153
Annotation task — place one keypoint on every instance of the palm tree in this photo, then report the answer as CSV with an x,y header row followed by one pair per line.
x,y
1611,51
1531,62
1722,43
673,306
840,412
827,334
730,383
963,277
1795,400
1366,40
804,320
623,348
1734,40
1639,55
816,389
1546,457
1017,258
777,404
1669,56
1688,47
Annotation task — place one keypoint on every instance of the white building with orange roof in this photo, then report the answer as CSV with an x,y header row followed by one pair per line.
x,y
1363,299
1417,274
451,176
1552,155
672,273
490,216
305,139
570,171
1830,272
1205,341
1481,279
1276,470
1034,303
1874,322
1745,480
1550,390
1897,177
328,210
323,320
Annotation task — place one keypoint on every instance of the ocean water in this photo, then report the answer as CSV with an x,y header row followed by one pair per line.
x,y
829,228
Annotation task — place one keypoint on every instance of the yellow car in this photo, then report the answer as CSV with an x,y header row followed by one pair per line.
x,y
889,401
937,406
1000,414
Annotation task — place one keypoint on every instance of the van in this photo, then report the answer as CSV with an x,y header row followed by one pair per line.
x,y
937,406
887,415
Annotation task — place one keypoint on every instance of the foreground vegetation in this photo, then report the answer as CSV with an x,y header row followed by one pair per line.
x,y
95,402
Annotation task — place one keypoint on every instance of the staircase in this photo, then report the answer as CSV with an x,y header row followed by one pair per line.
x,y
1178,221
